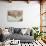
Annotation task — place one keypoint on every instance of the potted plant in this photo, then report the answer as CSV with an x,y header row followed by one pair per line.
x,y
37,33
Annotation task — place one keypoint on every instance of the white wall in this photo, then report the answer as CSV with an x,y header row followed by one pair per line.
x,y
31,14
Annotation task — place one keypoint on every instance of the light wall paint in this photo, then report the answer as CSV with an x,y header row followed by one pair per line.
x,y
31,14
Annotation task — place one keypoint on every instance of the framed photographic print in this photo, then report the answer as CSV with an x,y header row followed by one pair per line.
x,y
15,15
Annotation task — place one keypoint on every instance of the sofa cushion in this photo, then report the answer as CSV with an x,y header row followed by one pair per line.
x,y
22,38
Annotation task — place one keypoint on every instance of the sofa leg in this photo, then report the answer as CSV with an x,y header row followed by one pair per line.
x,y
33,45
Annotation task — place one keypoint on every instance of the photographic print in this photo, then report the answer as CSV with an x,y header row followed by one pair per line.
x,y
15,15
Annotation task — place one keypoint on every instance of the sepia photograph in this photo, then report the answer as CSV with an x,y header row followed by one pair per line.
x,y
15,15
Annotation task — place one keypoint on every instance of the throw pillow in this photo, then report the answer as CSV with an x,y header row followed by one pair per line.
x,y
17,30
11,30
23,31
